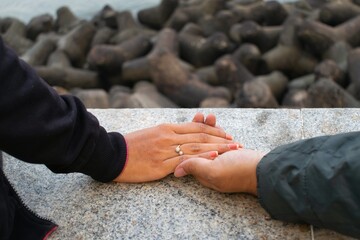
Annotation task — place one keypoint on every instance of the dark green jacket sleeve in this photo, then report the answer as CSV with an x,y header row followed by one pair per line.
x,y
316,181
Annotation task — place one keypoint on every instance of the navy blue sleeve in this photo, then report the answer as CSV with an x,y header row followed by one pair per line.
x,y
315,181
39,126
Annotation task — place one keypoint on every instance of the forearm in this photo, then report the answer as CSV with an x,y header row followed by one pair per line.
x,y
38,126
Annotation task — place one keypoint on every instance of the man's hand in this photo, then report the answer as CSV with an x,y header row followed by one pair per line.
x,y
151,151
233,171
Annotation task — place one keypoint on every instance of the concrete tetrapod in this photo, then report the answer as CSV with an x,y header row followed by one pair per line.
x,y
173,80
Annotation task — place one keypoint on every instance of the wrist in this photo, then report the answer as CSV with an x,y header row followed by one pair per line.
x,y
118,178
252,188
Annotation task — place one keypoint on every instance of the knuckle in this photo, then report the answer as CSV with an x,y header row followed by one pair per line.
x,y
201,127
203,137
220,133
223,147
164,126
195,148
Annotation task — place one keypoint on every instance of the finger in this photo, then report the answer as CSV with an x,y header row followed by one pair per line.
x,y
199,167
218,126
208,155
199,118
193,127
171,163
196,148
200,138
210,120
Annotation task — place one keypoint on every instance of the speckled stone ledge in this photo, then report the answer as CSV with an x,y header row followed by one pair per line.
x,y
174,208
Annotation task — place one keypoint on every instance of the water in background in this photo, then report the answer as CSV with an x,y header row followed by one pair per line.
x,y
26,9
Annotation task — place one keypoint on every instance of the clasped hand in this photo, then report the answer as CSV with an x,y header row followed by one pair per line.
x,y
233,171
152,152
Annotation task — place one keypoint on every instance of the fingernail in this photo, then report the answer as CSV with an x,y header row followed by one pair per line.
x,y
179,172
229,137
241,145
233,146
214,154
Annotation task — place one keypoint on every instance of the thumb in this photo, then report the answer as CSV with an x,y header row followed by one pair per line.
x,y
199,167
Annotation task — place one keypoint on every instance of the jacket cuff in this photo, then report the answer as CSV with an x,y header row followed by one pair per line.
x,y
280,186
108,158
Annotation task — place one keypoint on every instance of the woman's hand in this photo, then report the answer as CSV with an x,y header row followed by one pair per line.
x,y
152,152
233,171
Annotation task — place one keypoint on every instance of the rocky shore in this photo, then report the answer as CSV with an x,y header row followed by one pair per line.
x,y
199,53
